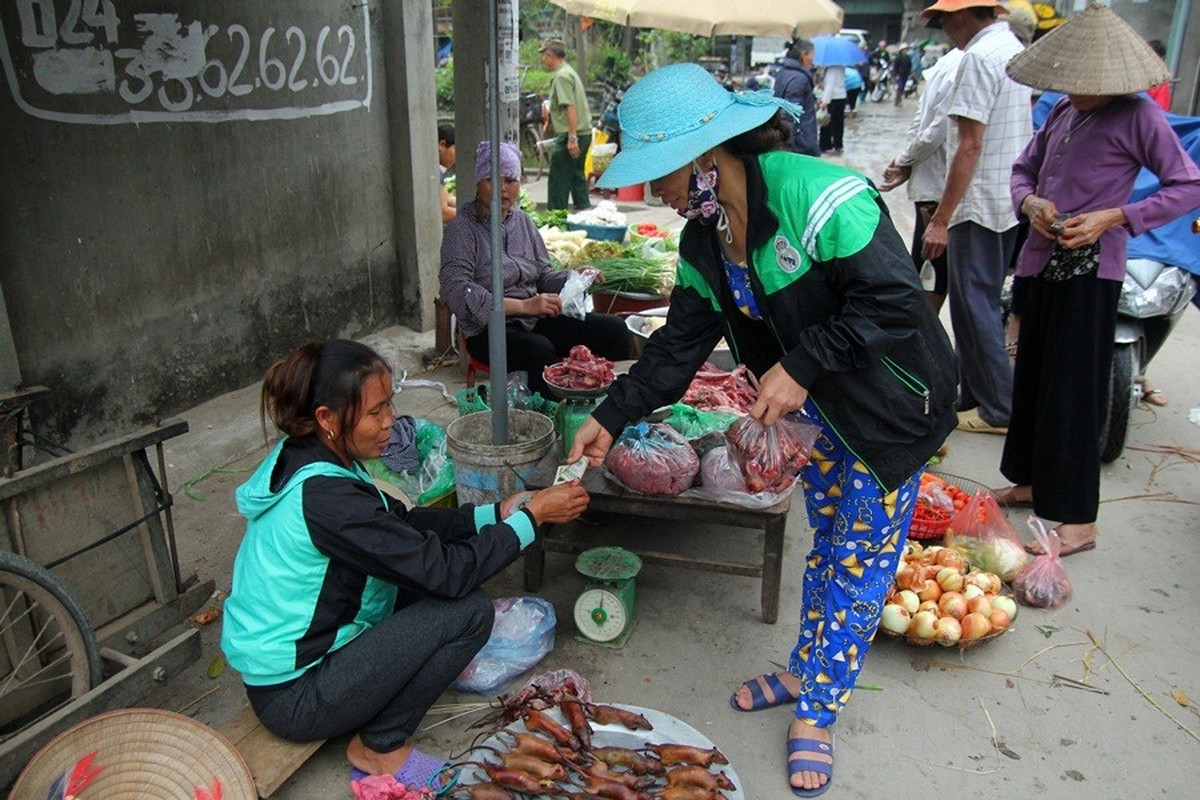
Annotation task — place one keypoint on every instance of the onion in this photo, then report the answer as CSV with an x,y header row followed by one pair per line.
x,y
949,557
929,605
906,578
975,626
971,591
1003,602
947,631
907,598
953,604
929,590
981,606
999,619
950,579
895,619
923,623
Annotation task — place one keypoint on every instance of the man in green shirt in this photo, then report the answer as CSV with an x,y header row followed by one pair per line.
x,y
571,120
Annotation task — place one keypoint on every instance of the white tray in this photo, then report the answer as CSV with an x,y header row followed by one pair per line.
x,y
667,730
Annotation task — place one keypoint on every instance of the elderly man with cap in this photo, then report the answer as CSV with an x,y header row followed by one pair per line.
x,y
537,333
1073,182
974,223
571,120
795,262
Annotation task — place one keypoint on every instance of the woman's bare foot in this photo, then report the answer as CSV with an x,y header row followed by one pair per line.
x,y
745,700
1073,537
808,779
375,763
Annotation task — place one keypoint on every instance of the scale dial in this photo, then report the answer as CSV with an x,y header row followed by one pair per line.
x,y
600,615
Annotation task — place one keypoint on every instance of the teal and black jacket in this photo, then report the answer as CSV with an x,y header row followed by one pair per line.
x,y
842,310
326,555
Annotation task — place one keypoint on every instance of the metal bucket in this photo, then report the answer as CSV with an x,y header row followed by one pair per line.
x,y
487,473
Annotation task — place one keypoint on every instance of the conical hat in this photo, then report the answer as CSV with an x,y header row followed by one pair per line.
x,y
1095,52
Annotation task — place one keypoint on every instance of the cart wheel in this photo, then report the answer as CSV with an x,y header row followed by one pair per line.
x,y
48,652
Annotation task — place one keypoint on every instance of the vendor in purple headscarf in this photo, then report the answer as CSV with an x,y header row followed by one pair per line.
x,y
536,333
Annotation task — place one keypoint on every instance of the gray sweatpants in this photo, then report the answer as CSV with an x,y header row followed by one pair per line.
x,y
381,684
978,258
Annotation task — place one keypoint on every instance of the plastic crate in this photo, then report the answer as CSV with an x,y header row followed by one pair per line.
x,y
604,233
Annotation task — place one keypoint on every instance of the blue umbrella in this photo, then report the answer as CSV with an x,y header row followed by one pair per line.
x,y
835,51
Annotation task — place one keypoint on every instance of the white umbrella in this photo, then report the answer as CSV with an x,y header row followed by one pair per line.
x,y
782,18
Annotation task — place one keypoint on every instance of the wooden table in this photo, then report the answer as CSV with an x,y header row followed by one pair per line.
x,y
610,497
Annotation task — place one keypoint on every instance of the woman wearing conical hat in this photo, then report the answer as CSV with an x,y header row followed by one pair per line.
x,y
1073,182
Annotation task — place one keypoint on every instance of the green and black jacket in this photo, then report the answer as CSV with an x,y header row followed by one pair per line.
x,y
842,308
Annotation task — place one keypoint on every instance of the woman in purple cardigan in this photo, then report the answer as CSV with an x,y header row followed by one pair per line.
x,y
1073,182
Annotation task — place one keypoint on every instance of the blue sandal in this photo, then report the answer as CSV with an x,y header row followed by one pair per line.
x,y
802,745
758,700
422,771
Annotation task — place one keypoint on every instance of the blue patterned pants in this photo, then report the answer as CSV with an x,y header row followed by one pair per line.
x,y
858,534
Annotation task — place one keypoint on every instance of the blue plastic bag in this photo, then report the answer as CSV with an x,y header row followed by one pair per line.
x,y
522,635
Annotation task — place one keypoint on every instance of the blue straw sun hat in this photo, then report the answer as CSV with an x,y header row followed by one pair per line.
x,y
676,113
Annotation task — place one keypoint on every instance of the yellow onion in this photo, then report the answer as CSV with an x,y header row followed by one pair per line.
x,y
1002,602
947,631
999,619
975,626
907,598
952,604
923,623
895,619
950,579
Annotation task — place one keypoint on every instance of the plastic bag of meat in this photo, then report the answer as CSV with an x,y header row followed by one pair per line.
x,y
653,458
770,457
1043,582
719,474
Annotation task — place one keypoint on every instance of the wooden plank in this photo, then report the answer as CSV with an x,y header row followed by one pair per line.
x,y
130,632
120,691
272,760
159,563
755,570
54,469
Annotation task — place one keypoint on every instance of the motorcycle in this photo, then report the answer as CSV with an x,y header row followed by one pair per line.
x,y
1153,297
881,82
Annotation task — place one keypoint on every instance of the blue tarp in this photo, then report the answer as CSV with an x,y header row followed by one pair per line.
x,y
1173,243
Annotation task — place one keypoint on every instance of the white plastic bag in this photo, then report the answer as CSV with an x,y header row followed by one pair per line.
x,y
576,302
522,635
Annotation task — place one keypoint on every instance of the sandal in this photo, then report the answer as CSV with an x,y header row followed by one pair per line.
x,y
803,745
1008,497
1154,397
758,700
971,422
1035,548
422,771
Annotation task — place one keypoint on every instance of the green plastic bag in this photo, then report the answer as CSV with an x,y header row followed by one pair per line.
x,y
433,478
694,423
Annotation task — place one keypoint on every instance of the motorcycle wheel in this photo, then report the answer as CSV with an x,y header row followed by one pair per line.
x,y
1121,399
878,93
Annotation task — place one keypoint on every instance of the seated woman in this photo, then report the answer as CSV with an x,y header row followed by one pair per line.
x,y
536,333
350,613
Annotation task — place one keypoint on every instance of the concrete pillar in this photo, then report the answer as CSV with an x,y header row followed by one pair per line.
x,y
472,94
412,124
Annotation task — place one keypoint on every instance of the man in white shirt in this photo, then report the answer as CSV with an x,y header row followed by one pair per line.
x,y
974,222
923,162
833,97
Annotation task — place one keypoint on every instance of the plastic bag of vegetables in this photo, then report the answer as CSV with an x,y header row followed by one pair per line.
x,y
1043,583
983,534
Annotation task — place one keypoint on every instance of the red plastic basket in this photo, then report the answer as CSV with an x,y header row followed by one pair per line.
x,y
936,529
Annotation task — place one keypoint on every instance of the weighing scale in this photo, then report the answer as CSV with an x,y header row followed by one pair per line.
x,y
605,612
574,407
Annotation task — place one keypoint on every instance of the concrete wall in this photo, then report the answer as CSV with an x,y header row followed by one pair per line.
x,y
161,243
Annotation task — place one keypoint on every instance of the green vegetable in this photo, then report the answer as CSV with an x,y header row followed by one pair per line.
x,y
555,218
628,274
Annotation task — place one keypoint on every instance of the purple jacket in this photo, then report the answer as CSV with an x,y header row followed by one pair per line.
x,y
1088,162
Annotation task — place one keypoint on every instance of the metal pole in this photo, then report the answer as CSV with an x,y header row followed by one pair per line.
x,y
497,355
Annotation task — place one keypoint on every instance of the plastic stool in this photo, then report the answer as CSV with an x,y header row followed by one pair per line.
x,y
474,366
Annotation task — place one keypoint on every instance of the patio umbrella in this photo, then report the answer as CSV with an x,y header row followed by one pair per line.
x,y
831,51
716,17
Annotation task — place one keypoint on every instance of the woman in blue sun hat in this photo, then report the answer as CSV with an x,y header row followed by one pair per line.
x,y
795,262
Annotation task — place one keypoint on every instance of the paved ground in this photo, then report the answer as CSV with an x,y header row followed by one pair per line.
x,y
927,722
